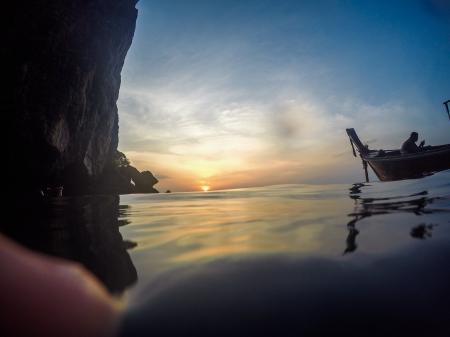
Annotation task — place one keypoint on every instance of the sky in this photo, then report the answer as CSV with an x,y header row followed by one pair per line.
x,y
241,93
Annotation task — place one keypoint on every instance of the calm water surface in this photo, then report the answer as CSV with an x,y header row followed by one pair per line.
x,y
293,260
363,260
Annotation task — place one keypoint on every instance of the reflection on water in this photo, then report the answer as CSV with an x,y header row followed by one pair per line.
x,y
284,260
351,237
82,229
270,262
422,231
193,228
415,203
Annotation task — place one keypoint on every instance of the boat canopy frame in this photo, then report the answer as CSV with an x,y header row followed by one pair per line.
x,y
355,141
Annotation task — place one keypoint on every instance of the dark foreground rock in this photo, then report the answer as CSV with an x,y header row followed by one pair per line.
x,y
62,63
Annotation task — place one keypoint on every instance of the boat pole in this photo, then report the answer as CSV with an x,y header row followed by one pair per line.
x,y
446,107
366,172
353,148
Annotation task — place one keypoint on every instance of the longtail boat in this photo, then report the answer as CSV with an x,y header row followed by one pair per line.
x,y
391,165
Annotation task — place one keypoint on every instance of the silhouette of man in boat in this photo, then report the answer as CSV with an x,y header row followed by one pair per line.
x,y
409,146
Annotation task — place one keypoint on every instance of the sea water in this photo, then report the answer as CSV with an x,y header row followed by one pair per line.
x,y
363,259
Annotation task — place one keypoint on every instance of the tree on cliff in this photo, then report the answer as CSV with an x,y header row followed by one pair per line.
x,y
120,160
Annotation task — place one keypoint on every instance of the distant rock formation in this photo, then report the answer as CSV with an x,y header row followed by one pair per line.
x,y
61,64
125,180
119,177
144,182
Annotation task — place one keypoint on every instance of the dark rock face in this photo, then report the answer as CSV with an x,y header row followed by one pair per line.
x,y
125,180
63,61
143,181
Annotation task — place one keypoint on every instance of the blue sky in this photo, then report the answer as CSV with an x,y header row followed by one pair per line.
x,y
248,93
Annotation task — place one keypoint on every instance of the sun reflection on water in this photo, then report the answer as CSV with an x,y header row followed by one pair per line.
x,y
194,228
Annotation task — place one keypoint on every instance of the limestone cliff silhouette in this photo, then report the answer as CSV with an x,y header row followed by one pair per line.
x,y
62,62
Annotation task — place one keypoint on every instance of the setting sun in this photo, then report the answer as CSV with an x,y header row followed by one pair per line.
x,y
205,188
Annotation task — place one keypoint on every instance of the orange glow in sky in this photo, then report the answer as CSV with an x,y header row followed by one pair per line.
x,y
205,188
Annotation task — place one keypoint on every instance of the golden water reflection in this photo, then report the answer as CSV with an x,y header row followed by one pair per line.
x,y
197,229
333,221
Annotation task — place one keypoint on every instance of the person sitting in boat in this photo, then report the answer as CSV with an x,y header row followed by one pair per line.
x,y
409,146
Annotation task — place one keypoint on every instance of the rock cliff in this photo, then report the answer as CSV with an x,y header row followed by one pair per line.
x,y
125,180
62,61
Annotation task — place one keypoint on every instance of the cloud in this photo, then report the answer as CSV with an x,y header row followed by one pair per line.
x,y
244,143
206,133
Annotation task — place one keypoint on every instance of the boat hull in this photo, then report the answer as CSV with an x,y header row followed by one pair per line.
x,y
412,165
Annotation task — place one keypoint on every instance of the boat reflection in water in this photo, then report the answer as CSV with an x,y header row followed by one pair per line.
x,y
365,207
82,229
